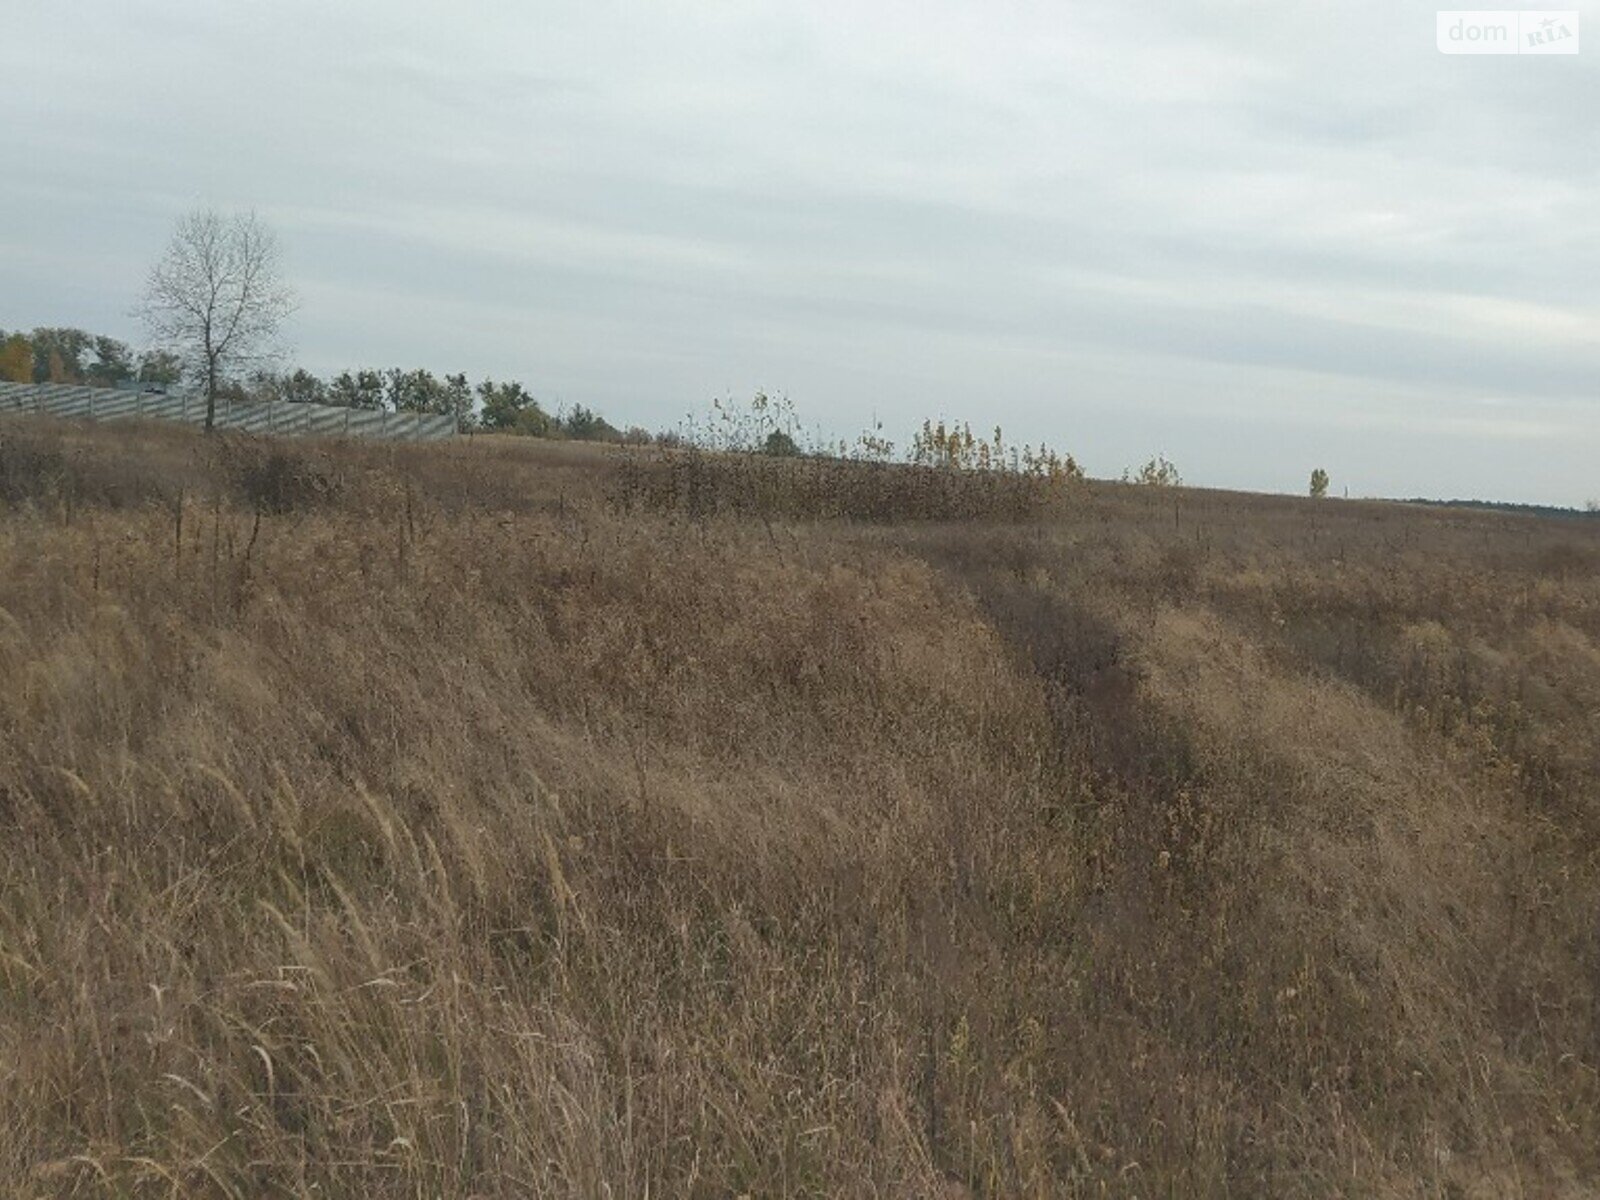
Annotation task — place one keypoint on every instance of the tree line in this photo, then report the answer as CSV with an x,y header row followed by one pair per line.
x,y
77,357
74,356
498,407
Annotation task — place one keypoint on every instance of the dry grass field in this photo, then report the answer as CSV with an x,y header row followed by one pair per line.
x,y
510,819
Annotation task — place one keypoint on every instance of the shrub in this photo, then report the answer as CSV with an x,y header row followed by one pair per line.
x,y
780,445
30,471
272,478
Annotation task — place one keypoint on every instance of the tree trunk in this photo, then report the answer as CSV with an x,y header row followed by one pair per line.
x,y
211,395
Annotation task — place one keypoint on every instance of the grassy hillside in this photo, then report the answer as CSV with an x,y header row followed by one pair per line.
x,y
508,818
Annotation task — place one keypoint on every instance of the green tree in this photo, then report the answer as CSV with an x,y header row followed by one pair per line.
x,y
364,389
458,397
302,387
416,391
508,407
296,387
113,363
1319,483
533,421
160,367
585,425
58,354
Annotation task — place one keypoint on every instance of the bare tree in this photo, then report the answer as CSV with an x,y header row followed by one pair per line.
x,y
215,297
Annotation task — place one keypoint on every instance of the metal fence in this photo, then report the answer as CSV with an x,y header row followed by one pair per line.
x,y
317,420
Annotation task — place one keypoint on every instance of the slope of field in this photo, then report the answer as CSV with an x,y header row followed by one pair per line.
x,y
505,819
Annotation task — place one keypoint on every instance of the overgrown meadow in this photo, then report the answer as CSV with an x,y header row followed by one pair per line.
x,y
512,818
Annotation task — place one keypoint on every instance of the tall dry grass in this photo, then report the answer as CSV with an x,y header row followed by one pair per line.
x,y
424,821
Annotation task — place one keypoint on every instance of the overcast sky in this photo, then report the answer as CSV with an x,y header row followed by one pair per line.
x,y
1256,237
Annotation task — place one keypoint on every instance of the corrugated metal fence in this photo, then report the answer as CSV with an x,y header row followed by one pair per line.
x,y
318,420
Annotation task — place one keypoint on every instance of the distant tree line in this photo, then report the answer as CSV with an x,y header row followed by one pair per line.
x,y
73,356
488,405
1589,510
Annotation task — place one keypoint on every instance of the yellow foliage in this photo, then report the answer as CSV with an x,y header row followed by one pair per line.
x,y
16,360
